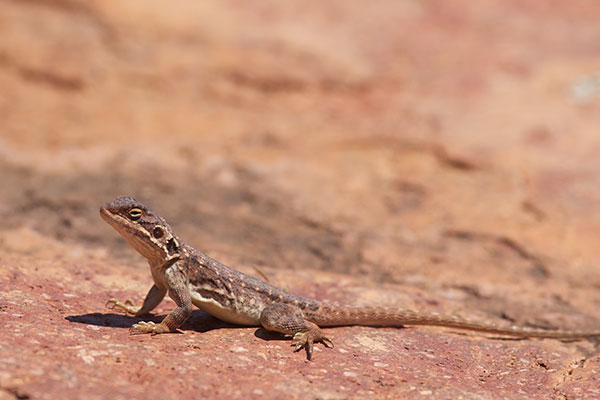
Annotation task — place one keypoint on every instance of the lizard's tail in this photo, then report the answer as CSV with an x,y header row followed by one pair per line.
x,y
375,316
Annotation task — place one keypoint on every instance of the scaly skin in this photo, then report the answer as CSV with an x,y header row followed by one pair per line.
x,y
192,278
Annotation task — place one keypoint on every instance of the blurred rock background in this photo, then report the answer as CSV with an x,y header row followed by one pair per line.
x,y
421,154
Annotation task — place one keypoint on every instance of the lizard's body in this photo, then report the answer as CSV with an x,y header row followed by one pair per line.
x,y
192,278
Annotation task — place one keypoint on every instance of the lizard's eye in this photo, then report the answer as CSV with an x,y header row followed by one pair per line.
x,y
134,214
157,232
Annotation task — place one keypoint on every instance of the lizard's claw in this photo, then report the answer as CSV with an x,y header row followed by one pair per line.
x,y
110,304
142,327
307,339
148,327
128,306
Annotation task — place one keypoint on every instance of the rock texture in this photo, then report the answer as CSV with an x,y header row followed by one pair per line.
x,y
429,155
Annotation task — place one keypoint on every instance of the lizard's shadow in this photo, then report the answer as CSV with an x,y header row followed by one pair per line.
x,y
199,321
264,334
109,319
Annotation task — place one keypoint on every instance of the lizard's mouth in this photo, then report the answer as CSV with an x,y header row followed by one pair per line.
x,y
107,216
115,220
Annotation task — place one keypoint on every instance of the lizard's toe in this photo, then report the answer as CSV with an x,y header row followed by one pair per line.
x,y
327,342
142,327
111,304
148,327
303,339
308,338
299,340
127,306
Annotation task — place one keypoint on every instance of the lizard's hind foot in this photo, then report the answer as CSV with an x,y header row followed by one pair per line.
x,y
307,339
289,320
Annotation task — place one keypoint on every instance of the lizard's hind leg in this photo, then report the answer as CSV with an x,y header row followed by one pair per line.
x,y
289,320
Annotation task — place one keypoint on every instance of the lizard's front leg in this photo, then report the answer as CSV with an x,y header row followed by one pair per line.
x,y
178,291
289,320
153,299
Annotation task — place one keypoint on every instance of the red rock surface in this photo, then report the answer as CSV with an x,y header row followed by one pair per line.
x,y
429,155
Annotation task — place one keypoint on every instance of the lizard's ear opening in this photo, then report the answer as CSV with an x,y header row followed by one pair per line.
x,y
172,245
134,214
158,232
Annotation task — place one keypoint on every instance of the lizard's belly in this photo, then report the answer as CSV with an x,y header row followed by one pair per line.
x,y
229,314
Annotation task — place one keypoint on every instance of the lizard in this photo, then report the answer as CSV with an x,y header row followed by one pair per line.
x,y
191,278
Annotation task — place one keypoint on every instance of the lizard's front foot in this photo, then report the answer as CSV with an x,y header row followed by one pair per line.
x,y
148,327
128,306
308,338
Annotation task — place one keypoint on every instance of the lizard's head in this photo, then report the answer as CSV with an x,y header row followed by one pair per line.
x,y
143,229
